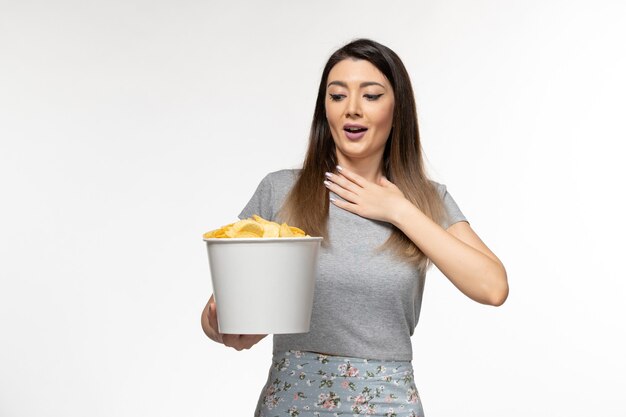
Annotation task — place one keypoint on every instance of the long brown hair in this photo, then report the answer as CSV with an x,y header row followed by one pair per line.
x,y
307,204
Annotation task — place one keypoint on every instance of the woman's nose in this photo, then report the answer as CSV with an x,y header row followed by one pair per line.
x,y
353,106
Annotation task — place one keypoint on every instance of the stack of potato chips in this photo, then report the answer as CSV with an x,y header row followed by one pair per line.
x,y
255,226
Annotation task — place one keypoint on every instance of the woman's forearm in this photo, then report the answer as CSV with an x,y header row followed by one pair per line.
x,y
478,276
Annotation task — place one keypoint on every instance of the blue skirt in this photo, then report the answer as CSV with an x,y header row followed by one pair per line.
x,y
307,384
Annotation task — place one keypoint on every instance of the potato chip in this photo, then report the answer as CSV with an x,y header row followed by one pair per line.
x,y
260,219
246,234
285,231
271,230
255,227
296,231
249,228
221,232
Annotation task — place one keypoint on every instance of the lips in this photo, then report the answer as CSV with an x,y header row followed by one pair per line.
x,y
354,131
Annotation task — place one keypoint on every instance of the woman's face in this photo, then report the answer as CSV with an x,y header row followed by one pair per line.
x,y
359,110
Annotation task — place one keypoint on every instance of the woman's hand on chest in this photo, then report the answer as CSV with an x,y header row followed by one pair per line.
x,y
376,201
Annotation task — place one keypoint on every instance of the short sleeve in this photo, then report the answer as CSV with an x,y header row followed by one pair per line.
x,y
261,201
454,212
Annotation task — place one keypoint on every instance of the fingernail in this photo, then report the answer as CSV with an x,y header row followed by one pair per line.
x,y
328,174
326,183
339,168
332,200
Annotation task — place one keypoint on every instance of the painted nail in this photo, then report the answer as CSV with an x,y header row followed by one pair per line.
x,y
327,183
332,200
339,168
328,174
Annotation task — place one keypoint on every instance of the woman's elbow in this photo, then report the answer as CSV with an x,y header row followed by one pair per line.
x,y
500,292
499,298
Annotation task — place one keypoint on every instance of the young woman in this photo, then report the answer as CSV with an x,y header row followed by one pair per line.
x,y
364,188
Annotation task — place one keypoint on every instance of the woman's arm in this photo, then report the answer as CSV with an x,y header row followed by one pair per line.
x,y
459,254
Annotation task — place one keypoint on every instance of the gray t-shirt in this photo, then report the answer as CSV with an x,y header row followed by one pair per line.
x,y
366,303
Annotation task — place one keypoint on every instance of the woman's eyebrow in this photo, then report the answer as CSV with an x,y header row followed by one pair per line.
x,y
363,84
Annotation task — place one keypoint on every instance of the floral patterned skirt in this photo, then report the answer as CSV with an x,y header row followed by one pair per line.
x,y
307,384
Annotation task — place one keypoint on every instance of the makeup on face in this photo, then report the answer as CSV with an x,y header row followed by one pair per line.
x,y
359,108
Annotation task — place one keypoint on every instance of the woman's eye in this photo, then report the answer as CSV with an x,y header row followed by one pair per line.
x,y
336,97
372,97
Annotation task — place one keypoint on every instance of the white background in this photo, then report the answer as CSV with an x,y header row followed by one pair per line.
x,y
129,128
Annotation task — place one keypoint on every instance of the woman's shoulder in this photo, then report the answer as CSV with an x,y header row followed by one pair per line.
x,y
441,188
283,178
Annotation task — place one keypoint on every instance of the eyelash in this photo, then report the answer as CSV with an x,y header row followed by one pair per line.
x,y
372,97
369,97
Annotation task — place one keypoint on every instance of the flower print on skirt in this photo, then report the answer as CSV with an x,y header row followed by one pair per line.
x,y
308,384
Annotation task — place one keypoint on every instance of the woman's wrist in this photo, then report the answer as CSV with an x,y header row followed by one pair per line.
x,y
404,210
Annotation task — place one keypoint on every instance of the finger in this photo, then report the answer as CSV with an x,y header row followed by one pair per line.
x,y
236,341
242,341
214,323
212,316
355,178
343,182
340,191
353,208
249,340
231,340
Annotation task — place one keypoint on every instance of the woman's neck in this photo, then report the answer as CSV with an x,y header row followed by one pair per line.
x,y
371,170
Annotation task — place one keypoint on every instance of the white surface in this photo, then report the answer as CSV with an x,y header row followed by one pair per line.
x,y
129,128
263,286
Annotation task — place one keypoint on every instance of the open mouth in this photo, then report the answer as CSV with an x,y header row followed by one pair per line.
x,y
355,129
354,132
